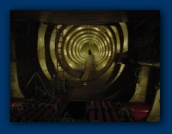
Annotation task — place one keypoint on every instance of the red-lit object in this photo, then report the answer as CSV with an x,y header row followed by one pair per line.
x,y
138,111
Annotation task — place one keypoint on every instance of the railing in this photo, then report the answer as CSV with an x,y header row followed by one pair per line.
x,y
42,82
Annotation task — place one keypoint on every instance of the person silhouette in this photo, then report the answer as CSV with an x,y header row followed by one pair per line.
x,y
89,52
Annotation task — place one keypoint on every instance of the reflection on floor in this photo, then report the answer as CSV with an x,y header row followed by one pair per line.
x,y
59,110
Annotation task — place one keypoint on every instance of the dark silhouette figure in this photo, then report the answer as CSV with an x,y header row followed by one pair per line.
x,y
89,52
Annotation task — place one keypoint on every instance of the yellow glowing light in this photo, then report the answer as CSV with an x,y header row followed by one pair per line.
x,y
41,50
125,34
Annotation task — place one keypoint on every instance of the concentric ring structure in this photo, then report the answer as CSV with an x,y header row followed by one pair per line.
x,y
65,48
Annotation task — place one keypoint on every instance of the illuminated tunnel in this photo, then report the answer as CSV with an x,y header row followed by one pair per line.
x,y
65,47
51,56
68,46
